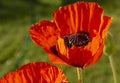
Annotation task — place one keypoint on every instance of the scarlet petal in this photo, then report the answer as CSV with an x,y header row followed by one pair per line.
x,y
44,33
81,56
36,72
96,56
55,58
80,16
105,26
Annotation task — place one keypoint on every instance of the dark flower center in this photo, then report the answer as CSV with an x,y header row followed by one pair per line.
x,y
80,38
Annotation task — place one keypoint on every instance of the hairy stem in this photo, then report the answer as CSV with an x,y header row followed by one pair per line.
x,y
79,74
113,68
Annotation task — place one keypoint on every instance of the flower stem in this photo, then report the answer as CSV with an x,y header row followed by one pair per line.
x,y
79,74
113,68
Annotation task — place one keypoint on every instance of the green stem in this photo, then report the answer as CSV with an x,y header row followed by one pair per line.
x,y
79,74
113,68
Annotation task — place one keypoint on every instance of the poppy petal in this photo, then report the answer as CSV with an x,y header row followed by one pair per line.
x,y
96,56
35,72
104,29
96,20
44,33
105,26
80,16
56,59
73,56
79,56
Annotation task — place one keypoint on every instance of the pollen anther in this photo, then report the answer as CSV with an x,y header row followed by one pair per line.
x,y
81,38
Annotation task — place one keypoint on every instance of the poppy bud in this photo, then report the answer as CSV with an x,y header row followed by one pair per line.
x,y
109,47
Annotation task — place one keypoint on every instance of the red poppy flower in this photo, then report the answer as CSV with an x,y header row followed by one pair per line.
x,y
76,34
36,72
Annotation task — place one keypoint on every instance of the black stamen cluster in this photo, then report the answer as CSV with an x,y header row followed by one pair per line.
x,y
81,38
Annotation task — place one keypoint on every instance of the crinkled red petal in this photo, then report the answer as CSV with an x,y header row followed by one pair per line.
x,y
44,33
36,72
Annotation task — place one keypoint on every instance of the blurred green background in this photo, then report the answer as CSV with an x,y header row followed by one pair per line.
x,y
16,47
